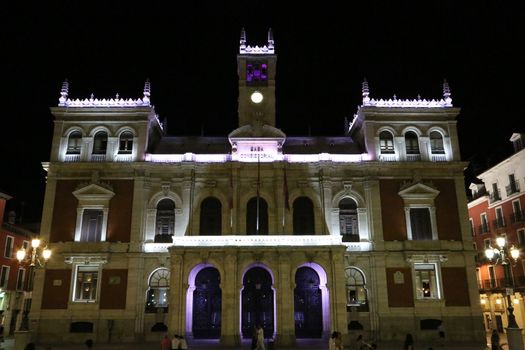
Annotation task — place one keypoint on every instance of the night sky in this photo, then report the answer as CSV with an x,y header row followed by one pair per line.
x,y
188,52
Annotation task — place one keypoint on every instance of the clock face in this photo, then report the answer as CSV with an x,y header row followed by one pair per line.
x,y
256,97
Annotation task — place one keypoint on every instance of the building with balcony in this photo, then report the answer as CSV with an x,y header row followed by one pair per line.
x,y
13,276
497,210
210,236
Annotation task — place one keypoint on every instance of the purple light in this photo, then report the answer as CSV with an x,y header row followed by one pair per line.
x,y
189,294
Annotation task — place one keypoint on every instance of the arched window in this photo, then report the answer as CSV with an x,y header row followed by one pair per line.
x,y
126,143
165,227
211,221
386,142
348,224
356,289
257,217
303,216
74,143
436,143
158,292
411,143
100,143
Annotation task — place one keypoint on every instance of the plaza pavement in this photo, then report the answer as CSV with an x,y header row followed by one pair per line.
x,y
203,345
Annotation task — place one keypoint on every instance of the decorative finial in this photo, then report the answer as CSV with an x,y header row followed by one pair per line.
x,y
243,40
395,97
147,92
446,93
365,92
117,96
64,91
270,39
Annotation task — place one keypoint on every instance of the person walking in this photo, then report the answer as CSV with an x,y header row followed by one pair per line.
x,y
182,343
165,343
260,338
409,342
494,340
175,342
331,341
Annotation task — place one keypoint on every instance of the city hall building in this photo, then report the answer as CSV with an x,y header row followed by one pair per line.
x,y
363,233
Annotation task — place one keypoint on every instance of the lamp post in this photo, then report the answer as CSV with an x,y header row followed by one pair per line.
x,y
506,256
36,252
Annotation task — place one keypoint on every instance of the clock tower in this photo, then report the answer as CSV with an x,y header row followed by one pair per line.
x,y
256,68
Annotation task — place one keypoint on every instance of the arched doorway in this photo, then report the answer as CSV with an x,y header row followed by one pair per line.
x,y
207,300
257,302
308,306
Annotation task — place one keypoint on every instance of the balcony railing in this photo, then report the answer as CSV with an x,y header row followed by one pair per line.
x,y
517,216
71,158
513,187
98,157
518,282
484,228
387,157
413,157
438,158
495,196
498,223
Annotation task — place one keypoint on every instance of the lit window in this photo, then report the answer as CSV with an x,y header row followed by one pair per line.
x,y
74,143
86,282
426,277
386,142
165,227
436,143
355,288
126,143
158,292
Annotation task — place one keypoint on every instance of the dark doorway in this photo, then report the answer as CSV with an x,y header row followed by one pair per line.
x,y
499,323
308,310
211,221
257,220
303,216
207,305
257,302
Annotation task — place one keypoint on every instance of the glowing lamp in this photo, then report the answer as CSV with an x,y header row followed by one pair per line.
x,y
46,254
514,253
489,253
35,243
516,301
20,255
498,301
483,301
256,97
500,241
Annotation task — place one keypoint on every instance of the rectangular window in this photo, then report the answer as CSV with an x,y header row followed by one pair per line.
x,y
492,276
521,237
499,222
486,243
517,212
427,280
8,250
472,230
20,278
484,228
86,281
25,245
4,276
420,224
91,225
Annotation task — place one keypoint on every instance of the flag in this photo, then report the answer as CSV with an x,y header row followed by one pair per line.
x,y
230,199
285,190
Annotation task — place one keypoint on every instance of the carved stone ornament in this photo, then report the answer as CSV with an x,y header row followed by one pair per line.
x,y
399,277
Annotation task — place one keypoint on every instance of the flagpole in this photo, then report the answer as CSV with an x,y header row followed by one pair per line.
x,y
258,182
321,189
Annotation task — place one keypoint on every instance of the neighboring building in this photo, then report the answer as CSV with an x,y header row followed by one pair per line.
x,y
497,209
210,236
13,276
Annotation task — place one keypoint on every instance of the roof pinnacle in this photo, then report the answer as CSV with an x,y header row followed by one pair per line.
x,y
447,96
270,39
365,92
243,39
147,92
64,91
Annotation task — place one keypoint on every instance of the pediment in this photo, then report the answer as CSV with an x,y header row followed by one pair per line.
x,y
418,190
94,192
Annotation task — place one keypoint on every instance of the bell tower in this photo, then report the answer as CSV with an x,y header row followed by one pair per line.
x,y
256,69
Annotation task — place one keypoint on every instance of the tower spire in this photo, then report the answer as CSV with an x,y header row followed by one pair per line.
x,y
64,91
447,96
147,92
243,40
365,92
270,40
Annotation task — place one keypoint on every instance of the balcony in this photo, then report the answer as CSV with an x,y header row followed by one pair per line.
x,y
438,157
387,157
72,158
517,216
495,196
413,157
513,187
98,157
498,223
499,283
484,228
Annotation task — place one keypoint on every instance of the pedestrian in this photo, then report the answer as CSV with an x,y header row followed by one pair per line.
x,y
260,338
441,334
360,343
254,338
331,341
182,343
409,342
494,340
338,341
175,342
165,343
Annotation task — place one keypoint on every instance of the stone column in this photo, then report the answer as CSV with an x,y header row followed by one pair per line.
x,y
424,148
136,291
327,220
112,149
177,299
230,335
284,299
399,145
338,292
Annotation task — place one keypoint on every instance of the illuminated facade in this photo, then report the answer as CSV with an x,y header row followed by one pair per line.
x,y
13,276
497,210
209,236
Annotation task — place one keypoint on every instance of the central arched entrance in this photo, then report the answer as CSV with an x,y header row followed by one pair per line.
x,y
257,302
308,306
206,323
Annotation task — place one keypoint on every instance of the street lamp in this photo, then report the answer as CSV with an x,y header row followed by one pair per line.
x,y
34,260
503,255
